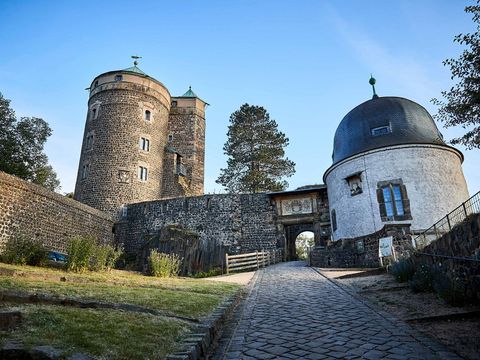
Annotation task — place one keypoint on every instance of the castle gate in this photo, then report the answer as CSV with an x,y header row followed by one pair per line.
x,y
304,209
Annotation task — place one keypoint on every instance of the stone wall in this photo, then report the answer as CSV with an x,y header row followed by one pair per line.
x,y
458,253
224,223
362,251
47,216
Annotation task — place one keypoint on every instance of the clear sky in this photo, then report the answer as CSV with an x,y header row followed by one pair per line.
x,y
307,62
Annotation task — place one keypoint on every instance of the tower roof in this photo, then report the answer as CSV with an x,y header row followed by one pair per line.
x,y
190,93
134,69
384,121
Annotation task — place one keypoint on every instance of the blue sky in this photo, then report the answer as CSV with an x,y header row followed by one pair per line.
x,y
307,62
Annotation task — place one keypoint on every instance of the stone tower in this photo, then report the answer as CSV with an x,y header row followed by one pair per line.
x,y
139,143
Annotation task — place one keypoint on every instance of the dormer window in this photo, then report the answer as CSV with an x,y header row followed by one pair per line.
x,y
381,130
354,182
148,115
118,77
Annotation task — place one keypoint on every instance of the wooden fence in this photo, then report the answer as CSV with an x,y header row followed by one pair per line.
x,y
253,260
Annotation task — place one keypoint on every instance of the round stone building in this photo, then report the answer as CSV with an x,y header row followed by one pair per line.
x,y
391,166
140,143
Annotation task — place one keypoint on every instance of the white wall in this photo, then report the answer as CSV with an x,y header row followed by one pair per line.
x,y
432,175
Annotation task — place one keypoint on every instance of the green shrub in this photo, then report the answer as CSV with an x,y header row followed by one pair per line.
x,y
80,251
403,270
163,265
422,280
452,290
209,273
21,249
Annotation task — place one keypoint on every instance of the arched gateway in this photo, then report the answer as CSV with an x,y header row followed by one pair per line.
x,y
303,209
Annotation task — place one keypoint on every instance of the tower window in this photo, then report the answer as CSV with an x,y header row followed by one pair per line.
x,y
144,144
94,113
118,77
143,173
393,201
85,171
334,220
89,142
148,115
95,84
174,104
170,137
381,130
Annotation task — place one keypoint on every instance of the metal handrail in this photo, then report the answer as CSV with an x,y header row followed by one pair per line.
x,y
445,224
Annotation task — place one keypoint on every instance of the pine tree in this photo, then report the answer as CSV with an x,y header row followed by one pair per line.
x,y
255,149
462,102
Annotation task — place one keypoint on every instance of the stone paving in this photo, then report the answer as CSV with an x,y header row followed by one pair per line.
x,y
293,312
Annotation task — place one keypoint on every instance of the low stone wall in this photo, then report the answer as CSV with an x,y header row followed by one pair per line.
x,y
458,254
47,216
362,251
225,223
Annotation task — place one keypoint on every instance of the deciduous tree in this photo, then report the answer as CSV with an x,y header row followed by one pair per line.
x,y
21,147
461,104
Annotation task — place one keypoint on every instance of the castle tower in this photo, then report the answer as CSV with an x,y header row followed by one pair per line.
x,y
391,166
126,143
186,147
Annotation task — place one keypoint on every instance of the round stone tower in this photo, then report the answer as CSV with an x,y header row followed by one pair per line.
x,y
391,166
123,145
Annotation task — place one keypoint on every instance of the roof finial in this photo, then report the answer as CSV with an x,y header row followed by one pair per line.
x,y
372,82
135,58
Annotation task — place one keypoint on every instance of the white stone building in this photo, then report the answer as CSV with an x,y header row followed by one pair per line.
x,y
391,166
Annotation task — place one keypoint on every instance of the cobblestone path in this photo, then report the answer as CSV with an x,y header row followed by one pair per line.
x,y
293,312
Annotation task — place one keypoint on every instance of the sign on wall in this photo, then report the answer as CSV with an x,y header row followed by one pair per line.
x,y
297,206
385,246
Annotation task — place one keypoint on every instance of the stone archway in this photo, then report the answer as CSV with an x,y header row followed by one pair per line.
x,y
291,233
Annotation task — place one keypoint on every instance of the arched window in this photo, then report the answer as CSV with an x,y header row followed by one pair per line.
x,y
148,115
334,220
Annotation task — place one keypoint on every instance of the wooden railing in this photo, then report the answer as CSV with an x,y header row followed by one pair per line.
x,y
254,260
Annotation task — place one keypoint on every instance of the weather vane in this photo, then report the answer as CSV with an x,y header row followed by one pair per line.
x,y
372,82
135,58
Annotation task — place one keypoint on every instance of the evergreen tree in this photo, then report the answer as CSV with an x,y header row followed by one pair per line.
x,y
461,104
256,157
21,147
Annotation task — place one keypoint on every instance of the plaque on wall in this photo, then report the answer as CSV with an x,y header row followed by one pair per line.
x,y
297,206
123,176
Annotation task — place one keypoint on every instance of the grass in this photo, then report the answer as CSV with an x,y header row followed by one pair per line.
x,y
184,297
105,334
109,334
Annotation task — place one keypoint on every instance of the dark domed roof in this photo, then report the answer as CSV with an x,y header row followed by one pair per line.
x,y
384,121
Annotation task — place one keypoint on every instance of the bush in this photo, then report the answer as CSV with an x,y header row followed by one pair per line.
x,y
452,290
104,258
403,270
80,251
422,280
84,254
209,273
21,249
163,265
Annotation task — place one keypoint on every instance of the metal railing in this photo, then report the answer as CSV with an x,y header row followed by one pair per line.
x,y
445,225
253,260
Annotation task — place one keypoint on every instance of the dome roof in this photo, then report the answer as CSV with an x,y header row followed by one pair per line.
x,y
384,121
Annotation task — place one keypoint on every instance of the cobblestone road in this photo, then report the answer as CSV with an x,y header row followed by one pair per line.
x,y
293,312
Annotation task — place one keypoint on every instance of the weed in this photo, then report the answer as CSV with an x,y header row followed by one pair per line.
x,y
164,265
21,249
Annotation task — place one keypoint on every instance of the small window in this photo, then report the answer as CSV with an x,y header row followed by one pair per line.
x,y
179,166
381,130
148,115
89,142
94,113
118,77
334,220
170,138
143,173
144,144
85,171
174,104
95,84
393,201
354,182
124,211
